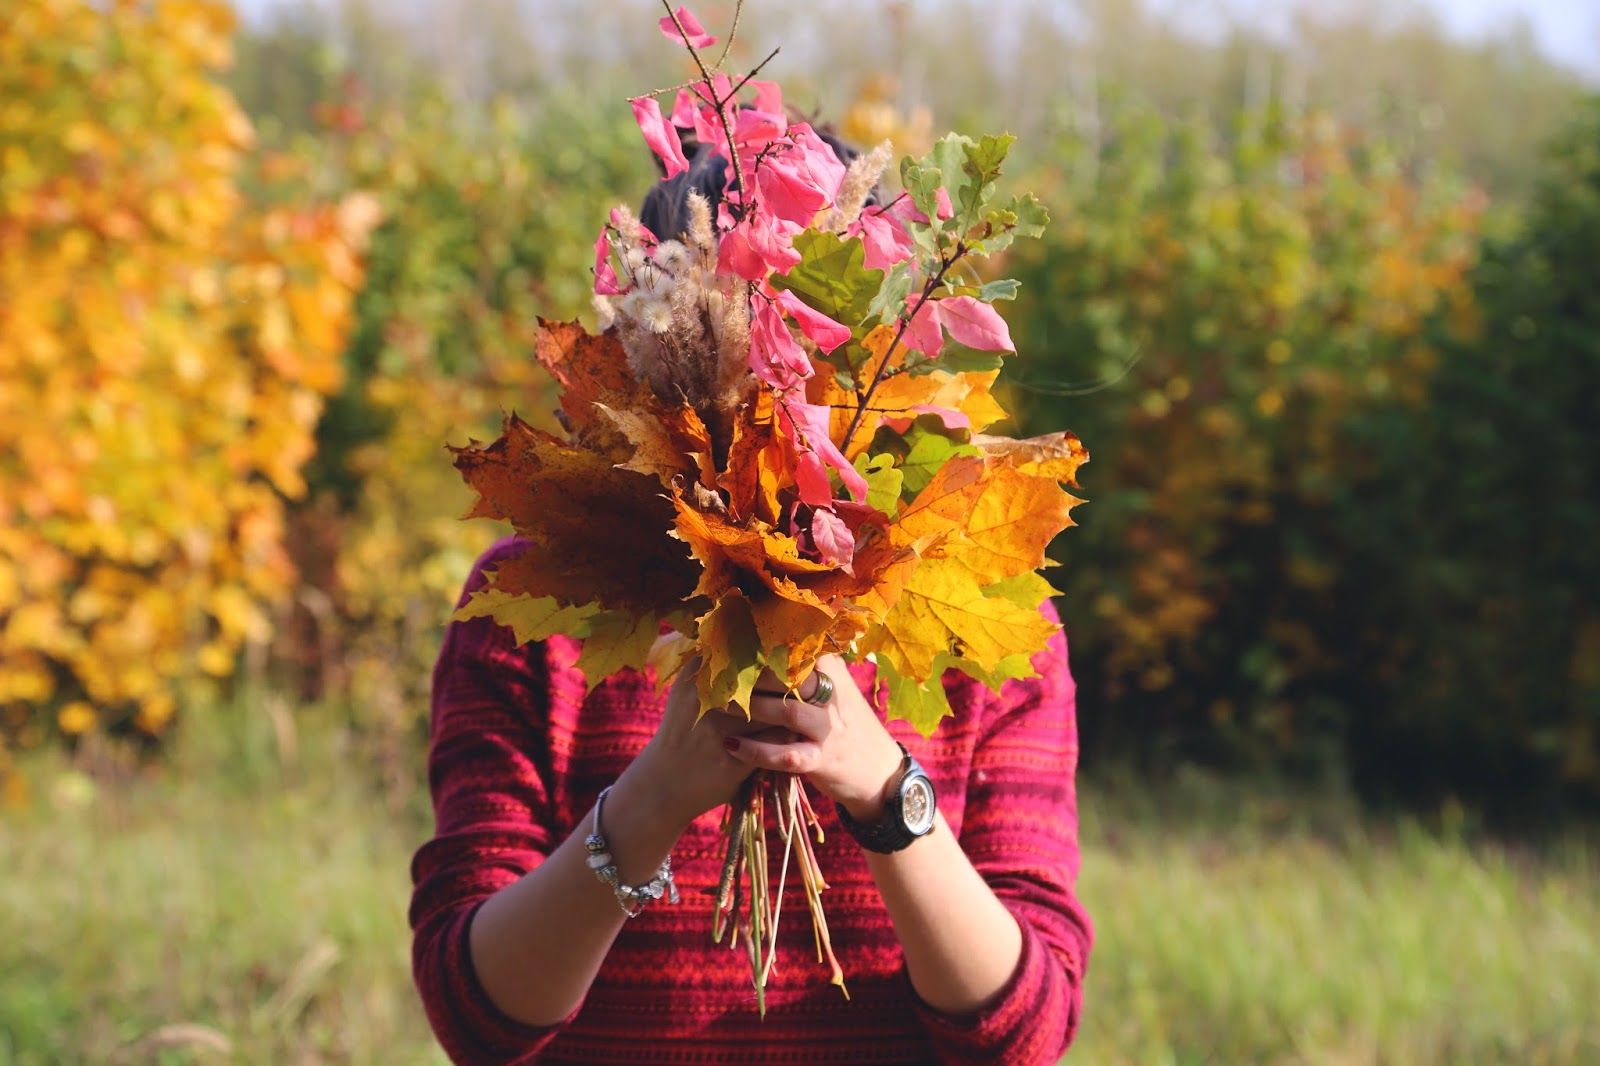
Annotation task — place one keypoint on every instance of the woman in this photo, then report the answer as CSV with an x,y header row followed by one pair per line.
x,y
962,942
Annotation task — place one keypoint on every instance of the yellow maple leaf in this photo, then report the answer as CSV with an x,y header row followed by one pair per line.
x,y
530,617
941,609
1010,524
617,640
730,652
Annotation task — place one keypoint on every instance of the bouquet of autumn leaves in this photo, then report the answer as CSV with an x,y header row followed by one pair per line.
x,y
775,445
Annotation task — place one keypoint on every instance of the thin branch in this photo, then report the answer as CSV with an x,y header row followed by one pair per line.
x,y
733,31
905,323
733,92
722,112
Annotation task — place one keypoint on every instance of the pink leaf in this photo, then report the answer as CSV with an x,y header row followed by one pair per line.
x,y
942,203
885,240
811,478
802,179
904,210
757,245
605,278
833,539
827,333
683,109
754,129
811,420
786,193
975,324
923,332
659,134
818,158
769,97
736,256
775,356
697,35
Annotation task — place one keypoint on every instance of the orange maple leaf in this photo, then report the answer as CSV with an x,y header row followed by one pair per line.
x,y
589,368
595,533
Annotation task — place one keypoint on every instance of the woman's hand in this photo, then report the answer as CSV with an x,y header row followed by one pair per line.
x,y
686,769
841,746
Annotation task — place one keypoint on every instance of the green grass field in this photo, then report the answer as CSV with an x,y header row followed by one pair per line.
x,y
245,902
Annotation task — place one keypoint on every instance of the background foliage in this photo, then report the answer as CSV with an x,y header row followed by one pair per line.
x,y
1314,302
1214,312
165,348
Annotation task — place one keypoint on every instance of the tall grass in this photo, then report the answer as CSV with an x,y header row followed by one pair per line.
x,y
231,897
1265,931
243,900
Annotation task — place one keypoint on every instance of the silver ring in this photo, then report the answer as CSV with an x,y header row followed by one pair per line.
x,y
823,692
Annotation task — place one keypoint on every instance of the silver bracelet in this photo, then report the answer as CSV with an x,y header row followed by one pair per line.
x,y
631,898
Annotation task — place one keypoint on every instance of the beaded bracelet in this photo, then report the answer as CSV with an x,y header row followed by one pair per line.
x,y
631,898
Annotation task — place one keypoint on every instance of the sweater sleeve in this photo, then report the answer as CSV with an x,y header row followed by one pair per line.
x,y
1021,833
493,824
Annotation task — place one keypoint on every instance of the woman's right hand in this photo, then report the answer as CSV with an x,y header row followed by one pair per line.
x,y
685,769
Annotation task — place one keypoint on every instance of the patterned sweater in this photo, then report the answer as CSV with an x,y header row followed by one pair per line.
x,y
520,749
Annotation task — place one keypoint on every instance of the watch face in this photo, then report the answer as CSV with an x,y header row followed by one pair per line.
x,y
917,805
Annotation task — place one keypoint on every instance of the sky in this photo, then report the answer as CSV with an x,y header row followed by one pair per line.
x,y
1567,30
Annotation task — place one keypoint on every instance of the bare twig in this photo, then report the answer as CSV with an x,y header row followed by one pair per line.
x,y
733,31
722,112
733,92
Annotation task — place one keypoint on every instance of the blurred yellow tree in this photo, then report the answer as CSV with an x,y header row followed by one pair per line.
x,y
165,352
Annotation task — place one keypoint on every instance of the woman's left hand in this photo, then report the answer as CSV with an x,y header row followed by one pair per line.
x,y
839,745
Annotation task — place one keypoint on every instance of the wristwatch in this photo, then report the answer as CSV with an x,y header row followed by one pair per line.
x,y
908,811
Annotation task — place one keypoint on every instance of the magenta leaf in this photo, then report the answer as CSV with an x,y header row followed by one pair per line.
x,y
697,35
775,356
885,240
923,333
659,134
605,278
811,421
833,539
975,324
827,333
811,478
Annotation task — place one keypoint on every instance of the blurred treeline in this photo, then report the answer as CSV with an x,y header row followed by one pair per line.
x,y
1322,306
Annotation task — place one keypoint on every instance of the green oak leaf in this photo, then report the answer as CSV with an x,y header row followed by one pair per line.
x,y
831,277
926,451
890,302
884,481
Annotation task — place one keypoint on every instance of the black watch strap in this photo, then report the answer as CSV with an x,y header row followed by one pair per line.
x,y
890,833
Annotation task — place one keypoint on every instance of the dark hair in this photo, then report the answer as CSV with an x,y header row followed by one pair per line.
x,y
665,211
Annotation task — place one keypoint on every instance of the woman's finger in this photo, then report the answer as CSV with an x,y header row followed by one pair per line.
x,y
791,712
794,757
734,723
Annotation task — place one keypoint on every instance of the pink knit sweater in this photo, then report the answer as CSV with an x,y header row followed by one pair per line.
x,y
517,756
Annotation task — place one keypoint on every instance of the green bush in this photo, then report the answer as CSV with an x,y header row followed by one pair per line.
x,y
1344,491
1208,313
1478,542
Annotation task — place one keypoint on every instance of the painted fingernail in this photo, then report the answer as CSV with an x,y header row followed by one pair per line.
x,y
730,743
